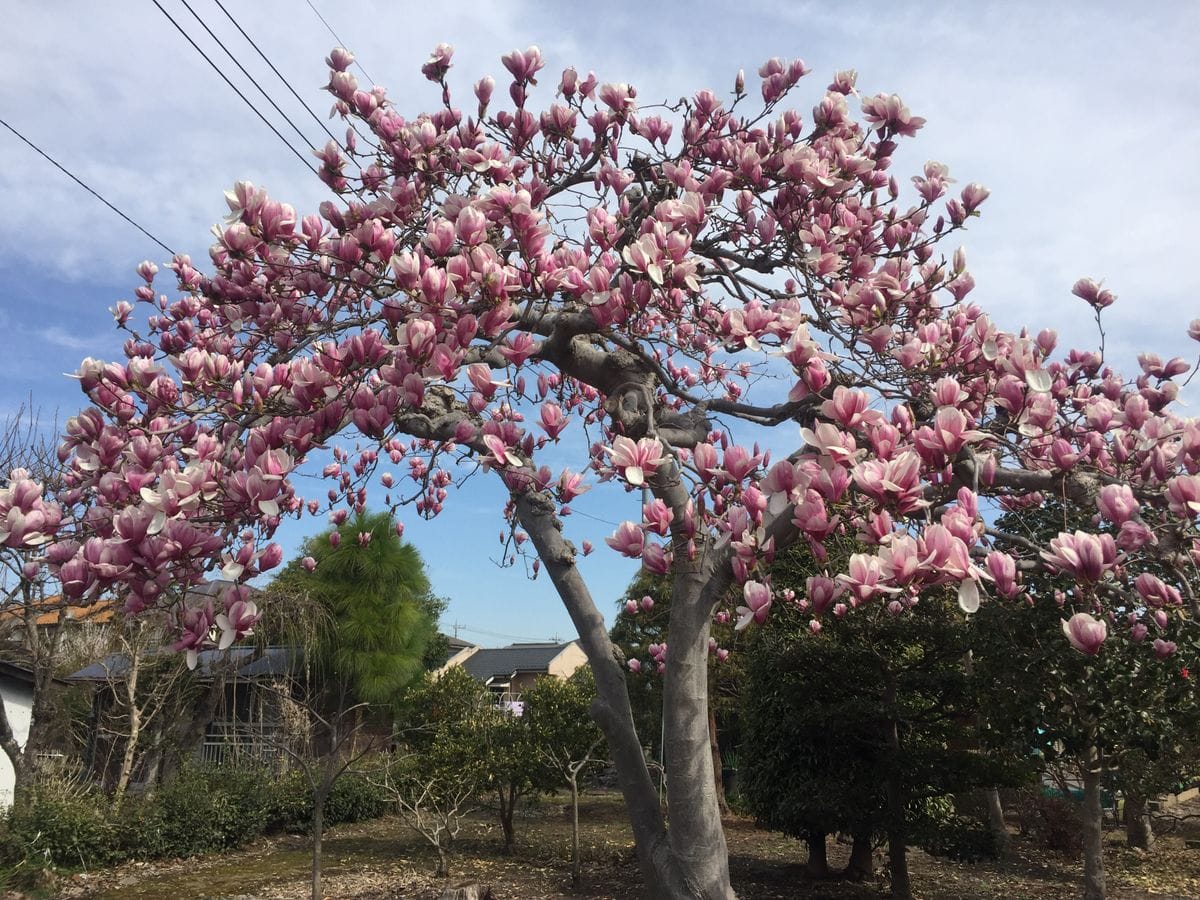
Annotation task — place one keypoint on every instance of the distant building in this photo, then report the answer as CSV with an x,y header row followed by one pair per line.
x,y
509,671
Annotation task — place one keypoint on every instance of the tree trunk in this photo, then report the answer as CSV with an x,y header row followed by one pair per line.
x,y
818,861
1139,830
575,867
1093,834
318,833
995,818
443,865
696,836
135,724
506,818
717,766
665,876
897,827
862,859
189,732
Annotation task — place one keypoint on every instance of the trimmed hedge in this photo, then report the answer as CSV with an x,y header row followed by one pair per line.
x,y
205,809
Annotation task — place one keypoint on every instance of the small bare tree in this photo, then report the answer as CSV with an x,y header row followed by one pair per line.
x,y
433,793
329,742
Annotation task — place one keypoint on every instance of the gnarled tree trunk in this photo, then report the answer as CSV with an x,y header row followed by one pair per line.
x,y
671,869
818,860
1139,830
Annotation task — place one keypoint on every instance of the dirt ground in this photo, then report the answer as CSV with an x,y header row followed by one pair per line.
x,y
384,859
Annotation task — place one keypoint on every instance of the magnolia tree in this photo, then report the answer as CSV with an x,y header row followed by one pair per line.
x,y
675,281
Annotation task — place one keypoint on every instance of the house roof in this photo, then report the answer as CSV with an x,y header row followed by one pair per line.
x,y
272,661
50,610
16,671
485,664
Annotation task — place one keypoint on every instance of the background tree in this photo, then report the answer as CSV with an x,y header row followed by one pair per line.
x,y
380,614
870,727
363,639
565,738
1110,711
677,288
440,767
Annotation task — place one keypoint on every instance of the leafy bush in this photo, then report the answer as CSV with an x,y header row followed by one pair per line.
x,y
1050,822
66,824
203,809
352,799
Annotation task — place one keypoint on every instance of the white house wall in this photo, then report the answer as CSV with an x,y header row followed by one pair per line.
x,y
18,704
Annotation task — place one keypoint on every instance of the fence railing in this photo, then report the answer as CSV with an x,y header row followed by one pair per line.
x,y
232,742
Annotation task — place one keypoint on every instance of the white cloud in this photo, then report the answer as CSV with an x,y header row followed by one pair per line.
x,y
62,338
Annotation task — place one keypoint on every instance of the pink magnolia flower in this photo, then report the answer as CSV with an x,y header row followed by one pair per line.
x,y
237,622
1089,557
1183,496
635,666
552,419
1003,570
627,540
865,578
635,460
1164,649
570,485
657,516
195,625
1117,503
1156,592
850,408
1093,294
758,604
1085,633
656,559
822,591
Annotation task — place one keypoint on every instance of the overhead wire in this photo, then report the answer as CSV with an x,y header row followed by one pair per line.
x,y
304,162
341,43
83,185
252,79
278,74
342,144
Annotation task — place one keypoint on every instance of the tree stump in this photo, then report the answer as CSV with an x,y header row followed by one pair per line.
x,y
467,890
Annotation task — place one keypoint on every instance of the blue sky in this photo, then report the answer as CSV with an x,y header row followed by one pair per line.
x,y
1081,118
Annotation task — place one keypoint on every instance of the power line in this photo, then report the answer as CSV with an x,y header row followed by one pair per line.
x,y
286,83
225,78
341,43
511,637
242,68
79,182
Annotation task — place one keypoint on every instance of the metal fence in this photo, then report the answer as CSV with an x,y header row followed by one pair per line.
x,y
231,742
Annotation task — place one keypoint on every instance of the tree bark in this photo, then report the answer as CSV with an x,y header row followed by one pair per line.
x,y
189,732
318,830
896,831
862,859
506,817
1093,833
818,860
575,867
663,874
1139,830
995,818
696,835
717,766
135,723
